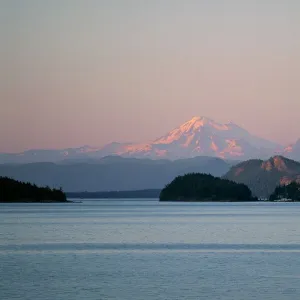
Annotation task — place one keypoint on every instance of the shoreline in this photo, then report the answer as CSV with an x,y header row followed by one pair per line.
x,y
42,201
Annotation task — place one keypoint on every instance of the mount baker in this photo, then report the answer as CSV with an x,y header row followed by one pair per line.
x,y
199,136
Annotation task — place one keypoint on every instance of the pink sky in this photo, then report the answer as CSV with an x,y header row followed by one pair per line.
x,y
74,74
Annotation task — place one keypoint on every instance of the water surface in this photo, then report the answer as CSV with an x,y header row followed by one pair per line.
x,y
114,249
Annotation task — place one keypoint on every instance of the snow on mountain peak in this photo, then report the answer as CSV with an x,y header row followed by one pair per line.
x,y
198,122
198,136
200,119
188,131
204,136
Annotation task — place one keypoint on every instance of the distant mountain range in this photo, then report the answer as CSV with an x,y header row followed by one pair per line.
x,y
262,177
112,173
198,137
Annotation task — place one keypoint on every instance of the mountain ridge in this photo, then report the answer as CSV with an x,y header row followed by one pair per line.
x,y
112,173
199,136
204,136
263,176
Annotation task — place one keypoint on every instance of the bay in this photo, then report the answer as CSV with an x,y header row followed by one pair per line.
x,y
143,249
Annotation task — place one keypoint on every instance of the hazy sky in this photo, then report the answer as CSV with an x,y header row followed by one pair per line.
x,y
77,72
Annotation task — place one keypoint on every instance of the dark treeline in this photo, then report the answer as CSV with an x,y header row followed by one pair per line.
x,y
290,191
150,193
204,187
15,191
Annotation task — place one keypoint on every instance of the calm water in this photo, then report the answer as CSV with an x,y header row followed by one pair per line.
x,y
146,250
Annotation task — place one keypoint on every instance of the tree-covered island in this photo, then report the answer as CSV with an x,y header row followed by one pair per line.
x,y
290,192
15,191
204,187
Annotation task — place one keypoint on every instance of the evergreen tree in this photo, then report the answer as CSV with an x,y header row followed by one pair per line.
x,y
12,190
204,187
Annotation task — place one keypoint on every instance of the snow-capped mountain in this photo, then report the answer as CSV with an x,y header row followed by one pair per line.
x,y
203,136
199,136
47,155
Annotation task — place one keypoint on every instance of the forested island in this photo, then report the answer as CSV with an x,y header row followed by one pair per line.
x,y
204,187
290,192
16,191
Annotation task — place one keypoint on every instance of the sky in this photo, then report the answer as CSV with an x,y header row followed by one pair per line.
x,y
89,72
